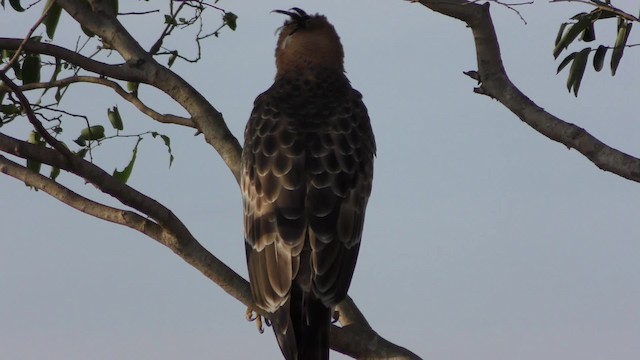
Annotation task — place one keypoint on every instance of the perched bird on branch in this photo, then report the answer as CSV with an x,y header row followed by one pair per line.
x,y
307,167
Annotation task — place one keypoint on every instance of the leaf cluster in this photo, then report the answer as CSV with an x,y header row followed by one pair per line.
x,y
582,28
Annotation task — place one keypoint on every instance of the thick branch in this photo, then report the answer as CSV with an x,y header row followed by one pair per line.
x,y
170,232
175,235
350,314
78,202
357,339
361,343
496,84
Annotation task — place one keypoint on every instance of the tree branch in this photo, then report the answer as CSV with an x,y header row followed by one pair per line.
x,y
32,118
604,6
208,120
361,343
496,84
130,97
118,71
78,202
175,235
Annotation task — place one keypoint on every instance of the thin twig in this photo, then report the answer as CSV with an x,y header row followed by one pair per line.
x,y
26,38
26,106
510,6
139,12
603,6
167,30
162,118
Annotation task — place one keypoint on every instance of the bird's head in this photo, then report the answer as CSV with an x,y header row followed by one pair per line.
x,y
307,42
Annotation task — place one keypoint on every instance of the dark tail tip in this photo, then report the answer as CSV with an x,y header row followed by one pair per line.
x,y
302,327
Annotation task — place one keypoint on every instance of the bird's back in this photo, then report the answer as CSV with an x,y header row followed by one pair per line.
x,y
307,167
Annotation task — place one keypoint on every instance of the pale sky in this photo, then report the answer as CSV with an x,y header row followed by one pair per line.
x,y
483,239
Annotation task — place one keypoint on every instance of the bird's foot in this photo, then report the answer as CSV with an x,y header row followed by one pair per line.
x,y
252,315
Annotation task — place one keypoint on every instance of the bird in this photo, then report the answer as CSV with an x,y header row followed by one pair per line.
x,y
306,177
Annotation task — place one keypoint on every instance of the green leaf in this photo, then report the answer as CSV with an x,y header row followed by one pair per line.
x,y
578,16
31,69
82,152
560,32
566,61
36,139
618,48
571,34
172,58
7,54
60,92
114,118
15,4
132,86
54,76
167,143
17,69
10,109
230,19
51,21
577,70
126,172
589,34
168,19
95,132
54,173
598,58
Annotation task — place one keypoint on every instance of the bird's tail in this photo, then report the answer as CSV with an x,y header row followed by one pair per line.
x,y
302,327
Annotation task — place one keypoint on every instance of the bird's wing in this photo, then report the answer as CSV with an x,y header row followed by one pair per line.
x,y
273,189
340,170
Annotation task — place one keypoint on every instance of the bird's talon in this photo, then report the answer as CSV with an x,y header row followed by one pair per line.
x,y
335,317
259,324
250,315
